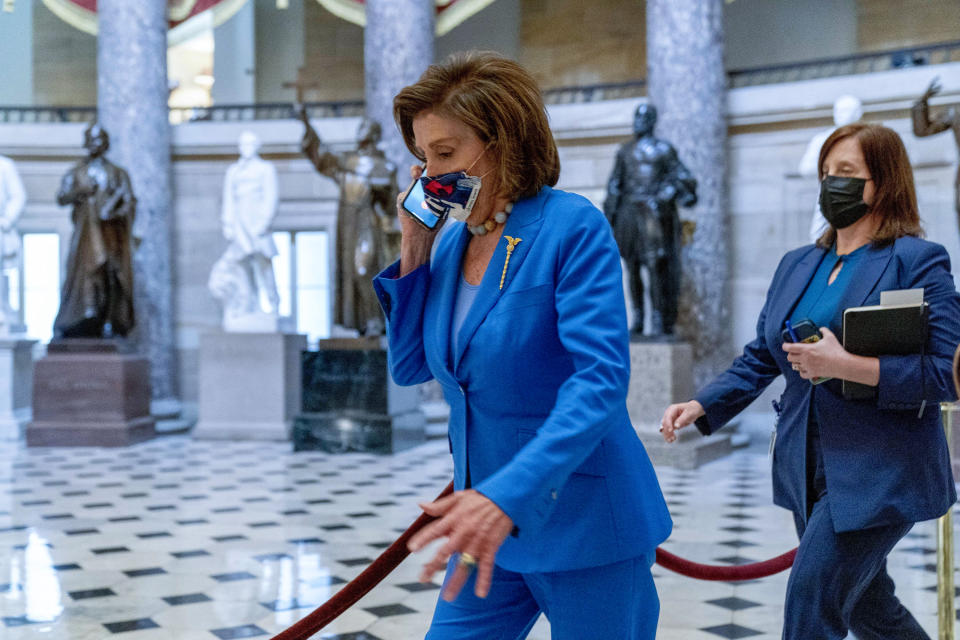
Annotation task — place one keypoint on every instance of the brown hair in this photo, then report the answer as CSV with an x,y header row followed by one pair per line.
x,y
895,199
501,102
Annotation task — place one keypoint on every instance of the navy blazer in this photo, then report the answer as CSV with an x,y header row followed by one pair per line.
x,y
537,389
885,459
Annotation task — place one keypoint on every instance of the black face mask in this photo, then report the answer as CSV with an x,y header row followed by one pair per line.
x,y
841,200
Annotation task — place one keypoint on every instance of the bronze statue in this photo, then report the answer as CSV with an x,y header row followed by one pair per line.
x,y
367,230
96,300
647,183
923,126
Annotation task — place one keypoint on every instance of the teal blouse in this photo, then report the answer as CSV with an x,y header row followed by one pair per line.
x,y
821,301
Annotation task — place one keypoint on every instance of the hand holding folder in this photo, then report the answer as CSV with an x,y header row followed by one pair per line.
x,y
896,326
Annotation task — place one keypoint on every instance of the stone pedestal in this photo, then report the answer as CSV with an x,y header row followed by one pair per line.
x,y
350,402
662,374
249,385
16,385
90,393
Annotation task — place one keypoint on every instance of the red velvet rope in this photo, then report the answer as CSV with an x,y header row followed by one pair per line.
x,y
361,585
750,571
396,552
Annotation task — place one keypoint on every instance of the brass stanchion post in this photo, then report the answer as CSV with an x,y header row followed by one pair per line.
x,y
945,592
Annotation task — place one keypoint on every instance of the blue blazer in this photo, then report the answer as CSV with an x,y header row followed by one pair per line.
x,y
885,460
537,389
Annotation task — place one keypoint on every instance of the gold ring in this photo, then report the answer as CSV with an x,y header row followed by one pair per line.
x,y
467,560
796,367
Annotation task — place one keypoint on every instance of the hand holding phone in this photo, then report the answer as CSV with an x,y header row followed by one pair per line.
x,y
414,204
806,332
417,238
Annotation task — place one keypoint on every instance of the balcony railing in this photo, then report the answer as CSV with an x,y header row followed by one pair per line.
x,y
218,113
595,93
860,63
940,53
265,111
47,114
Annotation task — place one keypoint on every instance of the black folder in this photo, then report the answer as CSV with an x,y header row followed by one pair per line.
x,y
894,330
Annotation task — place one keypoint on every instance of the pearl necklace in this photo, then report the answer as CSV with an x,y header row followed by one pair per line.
x,y
491,223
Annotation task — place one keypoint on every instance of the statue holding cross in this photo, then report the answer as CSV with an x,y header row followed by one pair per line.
x,y
368,231
299,85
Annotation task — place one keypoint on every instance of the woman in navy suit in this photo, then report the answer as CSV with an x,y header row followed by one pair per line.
x,y
519,315
856,473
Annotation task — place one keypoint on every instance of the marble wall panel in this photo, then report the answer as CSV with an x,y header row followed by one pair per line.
x,y
889,24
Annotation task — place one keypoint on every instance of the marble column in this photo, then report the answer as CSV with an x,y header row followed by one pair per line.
x,y
687,84
132,107
398,46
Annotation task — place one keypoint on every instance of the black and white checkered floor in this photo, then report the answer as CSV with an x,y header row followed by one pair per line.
x,y
176,539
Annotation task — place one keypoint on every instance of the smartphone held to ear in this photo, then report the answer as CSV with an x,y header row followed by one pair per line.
x,y
415,204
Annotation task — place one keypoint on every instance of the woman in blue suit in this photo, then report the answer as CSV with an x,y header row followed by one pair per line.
x,y
519,315
856,473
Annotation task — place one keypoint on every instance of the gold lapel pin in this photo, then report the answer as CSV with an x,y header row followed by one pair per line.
x,y
511,245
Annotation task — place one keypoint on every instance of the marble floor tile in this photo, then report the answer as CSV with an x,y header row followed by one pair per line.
x,y
176,539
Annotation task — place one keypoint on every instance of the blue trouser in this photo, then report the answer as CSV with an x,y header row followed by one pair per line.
x,y
615,601
839,581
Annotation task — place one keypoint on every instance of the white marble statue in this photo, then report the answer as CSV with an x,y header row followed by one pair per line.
x,y
242,279
846,110
13,197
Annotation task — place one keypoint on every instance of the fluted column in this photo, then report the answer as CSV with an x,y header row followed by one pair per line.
x,y
397,47
132,107
687,84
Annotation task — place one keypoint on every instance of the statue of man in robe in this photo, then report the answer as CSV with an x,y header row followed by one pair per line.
x,y
926,125
13,197
647,183
96,300
243,279
366,222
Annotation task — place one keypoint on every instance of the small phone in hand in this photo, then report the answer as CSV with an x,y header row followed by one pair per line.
x,y
806,332
415,204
